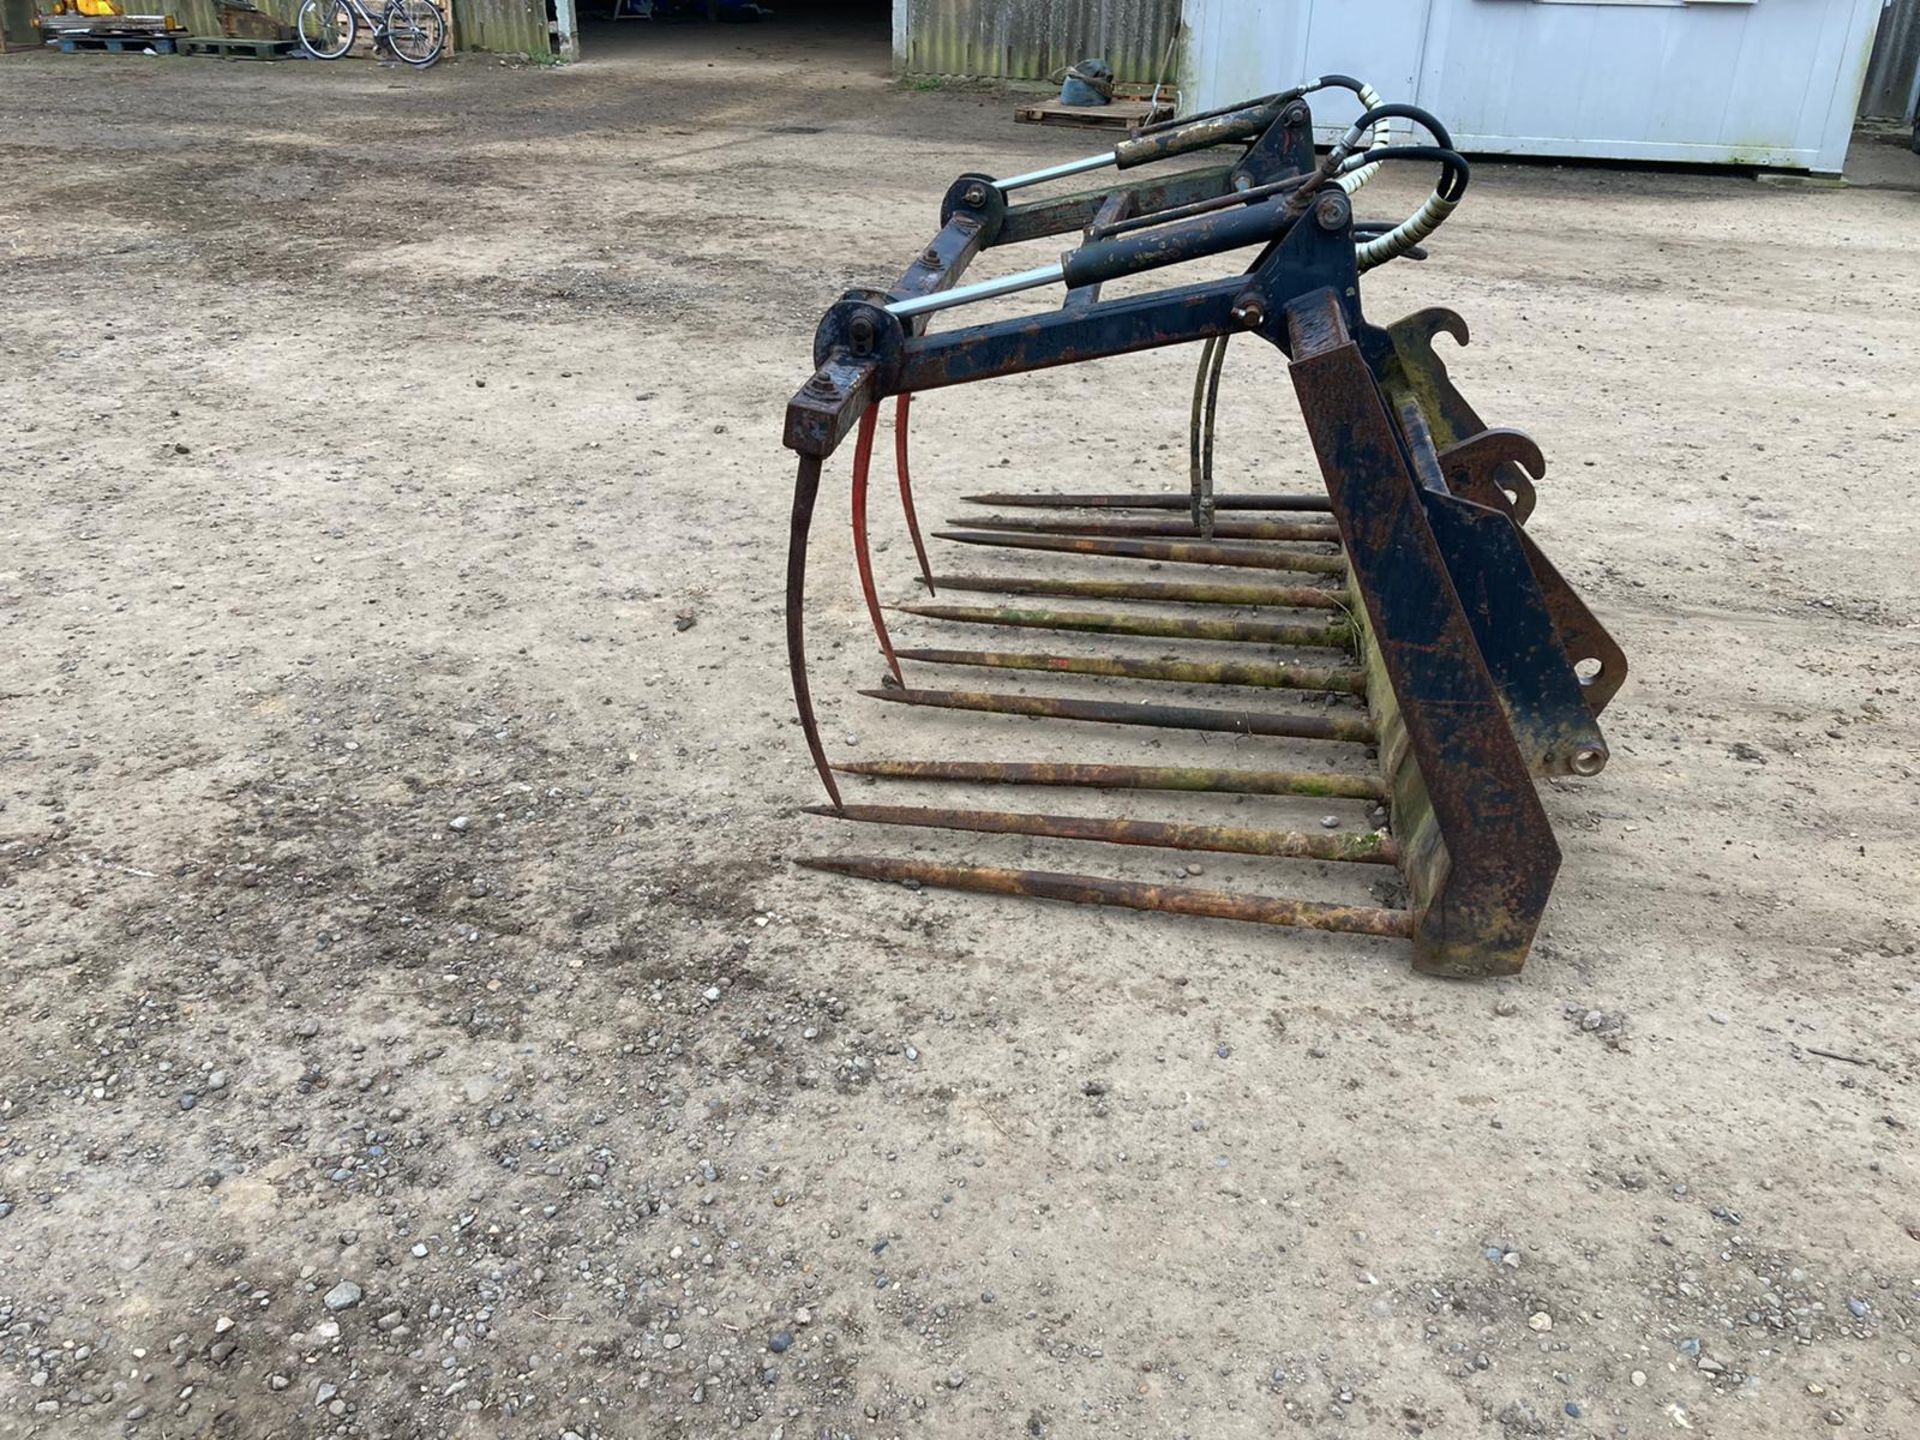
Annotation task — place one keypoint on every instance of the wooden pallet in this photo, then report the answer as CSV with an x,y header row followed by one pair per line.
x,y
1116,114
232,48
112,44
241,21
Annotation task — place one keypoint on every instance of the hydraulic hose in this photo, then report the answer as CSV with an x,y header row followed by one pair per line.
x,y
1430,216
1369,101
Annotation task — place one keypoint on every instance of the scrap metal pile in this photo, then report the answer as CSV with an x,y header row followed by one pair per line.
x,y
1423,644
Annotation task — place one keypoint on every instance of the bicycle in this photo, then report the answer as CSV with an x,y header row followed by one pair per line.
x,y
413,30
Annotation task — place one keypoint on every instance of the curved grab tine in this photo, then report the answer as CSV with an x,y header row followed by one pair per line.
x,y
1203,503
1435,319
806,486
1193,427
906,488
862,463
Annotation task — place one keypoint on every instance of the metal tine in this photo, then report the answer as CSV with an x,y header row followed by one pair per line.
x,y
1177,552
1143,526
863,557
1175,592
1337,635
906,487
1325,785
1353,729
1268,676
1128,894
1200,434
1369,848
1171,501
806,489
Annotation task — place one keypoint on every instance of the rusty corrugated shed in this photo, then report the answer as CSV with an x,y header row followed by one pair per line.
x,y
505,27
202,17
1895,63
1008,40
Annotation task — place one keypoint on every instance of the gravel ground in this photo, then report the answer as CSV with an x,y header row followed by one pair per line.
x,y
416,1027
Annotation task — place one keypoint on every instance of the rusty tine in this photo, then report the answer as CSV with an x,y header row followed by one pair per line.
x,y
906,488
1324,785
1336,636
1093,890
1148,526
1178,552
1354,729
1370,847
1173,501
1177,592
863,559
806,486
1344,680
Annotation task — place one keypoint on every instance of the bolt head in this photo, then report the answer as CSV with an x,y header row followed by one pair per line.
x,y
975,195
1249,314
1331,211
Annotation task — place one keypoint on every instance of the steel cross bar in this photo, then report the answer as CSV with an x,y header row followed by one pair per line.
x,y
1063,337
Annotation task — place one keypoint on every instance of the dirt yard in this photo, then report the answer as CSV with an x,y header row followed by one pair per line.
x,y
414,1025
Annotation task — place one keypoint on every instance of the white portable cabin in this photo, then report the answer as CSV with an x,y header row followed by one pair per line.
x,y
1736,82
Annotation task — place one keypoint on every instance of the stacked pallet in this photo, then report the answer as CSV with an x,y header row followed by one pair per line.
x,y
246,33
241,21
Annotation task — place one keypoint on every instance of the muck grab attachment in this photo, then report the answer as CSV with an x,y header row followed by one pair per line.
x,y
1403,617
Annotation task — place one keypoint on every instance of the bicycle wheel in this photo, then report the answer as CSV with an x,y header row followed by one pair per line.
x,y
327,28
416,31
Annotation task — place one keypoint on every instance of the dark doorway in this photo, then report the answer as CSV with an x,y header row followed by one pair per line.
x,y
854,32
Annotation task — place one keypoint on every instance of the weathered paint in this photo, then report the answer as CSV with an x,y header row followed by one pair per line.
x,y
202,17
1260,674
1470,833
1295,725
1167,591
1173,552
1096,890
1369,847
1151,526
503,27
1324,784
1893,70
1336,636
17,31
1170,501
1032,41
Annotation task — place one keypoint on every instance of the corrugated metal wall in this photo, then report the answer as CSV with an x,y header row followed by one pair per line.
x,y
509,27
1011,40
506,27
1889,90
16,24
202,17
513,27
